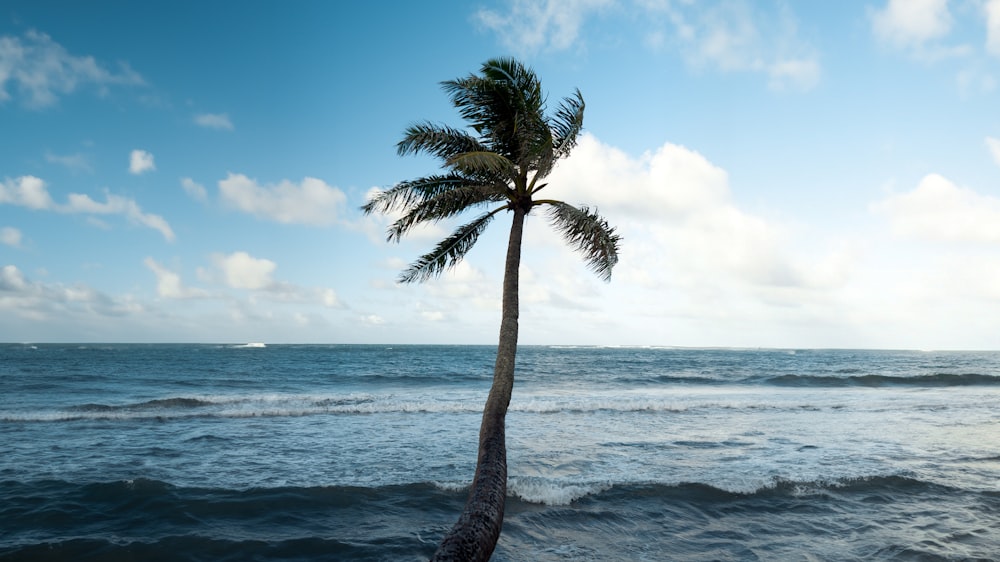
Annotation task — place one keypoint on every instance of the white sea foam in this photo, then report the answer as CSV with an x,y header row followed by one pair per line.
x,y
553,492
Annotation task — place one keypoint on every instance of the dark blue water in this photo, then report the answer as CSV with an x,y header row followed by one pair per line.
x,y
204,452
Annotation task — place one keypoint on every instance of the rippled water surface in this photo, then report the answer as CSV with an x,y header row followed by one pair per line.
x,y
205,452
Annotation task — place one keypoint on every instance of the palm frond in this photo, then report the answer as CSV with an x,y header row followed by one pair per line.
x,y
406,194
446,204
589,233
449,252
440,140
482,163
567,124
505,105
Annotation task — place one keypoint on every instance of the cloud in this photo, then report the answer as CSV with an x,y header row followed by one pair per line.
x,y
218,121
918,27
194,189
140,161
372,320
10,236
992,10
940,211
311,202
240,270
31,192
532,25
75,162
911,23
42,69
26,191
243,271
675,211
168,283
117,205
735,37
38,301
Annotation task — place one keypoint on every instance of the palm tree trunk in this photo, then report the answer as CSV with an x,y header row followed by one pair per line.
x,y
475,534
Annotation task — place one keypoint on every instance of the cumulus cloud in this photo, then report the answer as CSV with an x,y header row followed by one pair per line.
x,y
938,210
218,121
26,191
240,270
310,202
677,215
140,161
243,271
168,283
194,189
41,69
10,236
532,25
31,192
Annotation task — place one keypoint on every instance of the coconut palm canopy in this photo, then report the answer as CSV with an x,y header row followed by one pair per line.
x,y
499,165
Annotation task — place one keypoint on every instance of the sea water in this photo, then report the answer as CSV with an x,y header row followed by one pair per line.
x,y
344,452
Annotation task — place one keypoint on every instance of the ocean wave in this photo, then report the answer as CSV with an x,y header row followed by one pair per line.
x,y
545,520
935,380
121,494
279,405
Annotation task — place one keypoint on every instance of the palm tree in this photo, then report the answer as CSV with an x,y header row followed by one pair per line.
x,y
498,164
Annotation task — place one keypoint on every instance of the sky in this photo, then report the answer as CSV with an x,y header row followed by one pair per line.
x,y
790,174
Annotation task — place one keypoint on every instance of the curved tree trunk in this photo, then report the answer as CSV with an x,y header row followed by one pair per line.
x,y
475,534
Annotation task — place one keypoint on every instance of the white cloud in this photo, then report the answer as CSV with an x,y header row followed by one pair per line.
x,y
10,236
992,9
676,213
41,69
117,205
31,192
938,210
214,121
911,23
736,37
168,283
372,320
243,271
531,25
26,191
36,301
240,270
194,189
140,161
311,202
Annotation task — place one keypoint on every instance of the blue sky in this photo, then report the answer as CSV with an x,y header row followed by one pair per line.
x,y
784,174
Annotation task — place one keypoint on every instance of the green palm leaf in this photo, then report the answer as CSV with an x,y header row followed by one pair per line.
x,y
440,140
482,163
446,204
406,194
589,233
567,124
449,251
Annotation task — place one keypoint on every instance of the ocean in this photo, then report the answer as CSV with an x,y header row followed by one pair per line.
x,y
365,452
